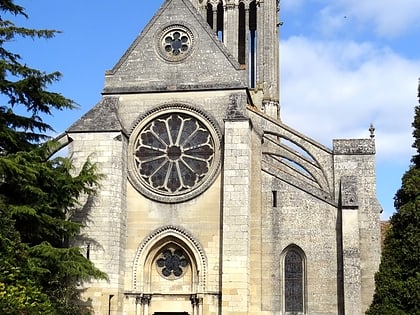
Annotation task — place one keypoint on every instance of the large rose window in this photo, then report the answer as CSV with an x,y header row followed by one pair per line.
x,y
174,154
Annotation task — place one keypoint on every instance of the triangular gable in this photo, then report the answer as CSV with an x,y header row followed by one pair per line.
x,y
144,67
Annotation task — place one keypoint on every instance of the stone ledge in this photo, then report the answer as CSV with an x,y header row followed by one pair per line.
x,y
354,146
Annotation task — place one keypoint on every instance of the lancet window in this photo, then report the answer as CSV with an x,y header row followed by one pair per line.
x,y
294,281
246,12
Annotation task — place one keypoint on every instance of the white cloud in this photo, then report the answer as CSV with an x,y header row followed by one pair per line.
x,y
335,89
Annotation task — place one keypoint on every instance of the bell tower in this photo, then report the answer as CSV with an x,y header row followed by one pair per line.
x,y
249,29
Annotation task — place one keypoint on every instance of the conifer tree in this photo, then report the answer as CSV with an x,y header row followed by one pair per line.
x,y
19,294
39,195
398,279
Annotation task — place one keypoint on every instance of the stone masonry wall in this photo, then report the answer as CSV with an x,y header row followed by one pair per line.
x,y
354,169
301,220
106,222
236,218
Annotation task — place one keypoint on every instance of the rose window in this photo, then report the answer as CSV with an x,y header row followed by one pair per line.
x,y
172,263
174,154
175,43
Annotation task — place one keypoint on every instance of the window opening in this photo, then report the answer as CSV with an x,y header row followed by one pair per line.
x,y
172,263
210,14
252,43
220,21
88,251
174,153
242,34
274,198
293,281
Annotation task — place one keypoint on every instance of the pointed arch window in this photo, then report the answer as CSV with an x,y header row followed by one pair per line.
x,y
215,17
210,17
294,281
252,44
247,39
220,21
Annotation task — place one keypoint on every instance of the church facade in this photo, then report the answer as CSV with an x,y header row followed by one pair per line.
x,y
210,204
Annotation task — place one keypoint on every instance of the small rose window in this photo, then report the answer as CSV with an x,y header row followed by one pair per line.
x,y
175,43
172,263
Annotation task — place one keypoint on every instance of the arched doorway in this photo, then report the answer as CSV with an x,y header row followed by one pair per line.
x,y
169,273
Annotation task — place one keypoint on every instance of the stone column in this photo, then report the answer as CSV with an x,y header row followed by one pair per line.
x,y
268,54
138,305
350,245
354,175
195,302
200,306
215,19
230,35
236,217
145,301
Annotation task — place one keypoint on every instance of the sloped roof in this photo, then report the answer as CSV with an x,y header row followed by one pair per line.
x,y
102,117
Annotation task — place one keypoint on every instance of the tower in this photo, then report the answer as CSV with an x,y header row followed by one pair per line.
x,y
250,31
209,203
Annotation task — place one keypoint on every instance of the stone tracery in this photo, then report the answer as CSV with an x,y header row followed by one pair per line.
x,y
174,153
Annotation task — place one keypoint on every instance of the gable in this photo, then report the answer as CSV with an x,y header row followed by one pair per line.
x,y
176,51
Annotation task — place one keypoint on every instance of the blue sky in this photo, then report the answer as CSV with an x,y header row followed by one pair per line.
x,y
344,65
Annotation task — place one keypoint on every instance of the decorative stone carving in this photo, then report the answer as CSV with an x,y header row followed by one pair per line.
x,y
172,263
175,43
175,155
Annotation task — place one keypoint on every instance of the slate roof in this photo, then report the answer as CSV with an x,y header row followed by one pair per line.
x,y
101,118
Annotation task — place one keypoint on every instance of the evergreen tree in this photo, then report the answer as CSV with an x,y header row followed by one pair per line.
x,y
39,195
19,294
398,279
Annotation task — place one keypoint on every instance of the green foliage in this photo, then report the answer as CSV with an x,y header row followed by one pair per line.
x,y
39,195
23,298
60,271
24,87
398,280
19,294
52,191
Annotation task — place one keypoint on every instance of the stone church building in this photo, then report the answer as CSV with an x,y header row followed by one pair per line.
x,y
210,204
